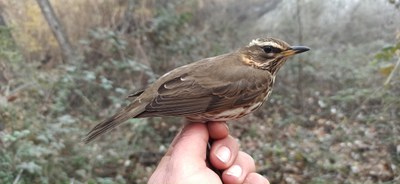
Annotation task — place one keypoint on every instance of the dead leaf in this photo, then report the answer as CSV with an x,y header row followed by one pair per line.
x,y
385,71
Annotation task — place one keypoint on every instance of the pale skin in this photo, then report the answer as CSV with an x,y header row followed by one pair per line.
x,y
185,161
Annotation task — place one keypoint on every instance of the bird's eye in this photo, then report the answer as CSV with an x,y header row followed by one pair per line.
x,y
270,49
267,49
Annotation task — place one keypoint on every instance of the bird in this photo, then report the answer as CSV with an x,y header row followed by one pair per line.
x,y
219,88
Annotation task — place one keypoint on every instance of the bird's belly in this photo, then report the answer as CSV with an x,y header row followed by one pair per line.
x,y
224,115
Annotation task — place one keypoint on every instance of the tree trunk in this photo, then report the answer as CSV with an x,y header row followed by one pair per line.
x,y
58,31
127,20
300,79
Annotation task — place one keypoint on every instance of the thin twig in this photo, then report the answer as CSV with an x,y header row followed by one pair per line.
x,y
16,180
355,112
300,79
19,88
392,73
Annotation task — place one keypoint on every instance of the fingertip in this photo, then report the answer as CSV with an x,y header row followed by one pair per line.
x,y
233,175
224,152
238,171
218,129
194,132
255,178
193,139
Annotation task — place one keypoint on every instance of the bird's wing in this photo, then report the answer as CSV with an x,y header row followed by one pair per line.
x,y
188,95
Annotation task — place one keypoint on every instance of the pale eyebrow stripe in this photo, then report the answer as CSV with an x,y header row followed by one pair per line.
x,y
261,43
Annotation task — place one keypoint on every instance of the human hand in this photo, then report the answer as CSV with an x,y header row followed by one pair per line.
x,y
185,162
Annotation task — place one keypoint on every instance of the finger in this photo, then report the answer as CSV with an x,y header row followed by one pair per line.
x,y
242,166
255,178
218,129
188,147
190,143
224,152
175,140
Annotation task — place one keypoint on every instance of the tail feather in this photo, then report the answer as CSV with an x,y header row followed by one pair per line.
x,y
110,123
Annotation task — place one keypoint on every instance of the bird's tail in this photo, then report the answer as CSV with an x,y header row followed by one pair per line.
x,y
108,124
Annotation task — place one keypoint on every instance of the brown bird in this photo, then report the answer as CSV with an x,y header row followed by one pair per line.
x,y
219,88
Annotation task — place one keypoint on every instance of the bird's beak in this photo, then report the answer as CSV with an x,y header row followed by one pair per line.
x,y
295,50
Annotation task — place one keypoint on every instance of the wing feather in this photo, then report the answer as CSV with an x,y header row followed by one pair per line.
x,y
185,95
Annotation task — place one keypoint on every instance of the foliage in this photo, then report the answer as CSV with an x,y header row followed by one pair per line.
x,y
330,118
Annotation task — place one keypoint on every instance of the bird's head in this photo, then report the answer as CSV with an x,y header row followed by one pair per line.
x,y
269,53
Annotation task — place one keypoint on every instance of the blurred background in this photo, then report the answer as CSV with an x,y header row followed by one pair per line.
x,y
333,117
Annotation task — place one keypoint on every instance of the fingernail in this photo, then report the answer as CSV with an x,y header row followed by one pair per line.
x,y
223,154
235,170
